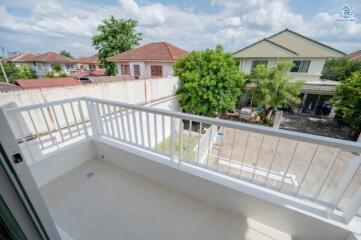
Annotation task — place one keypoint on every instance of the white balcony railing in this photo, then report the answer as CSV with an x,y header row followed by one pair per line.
x,y
302,168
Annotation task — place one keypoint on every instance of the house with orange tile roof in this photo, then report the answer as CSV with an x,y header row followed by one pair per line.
x,y
355,55
44,63
148,61
90,63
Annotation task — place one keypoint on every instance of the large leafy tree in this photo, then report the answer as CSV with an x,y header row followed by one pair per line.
x,y
347,100
273,88
66,53
115,36
210,82
14,72
339,69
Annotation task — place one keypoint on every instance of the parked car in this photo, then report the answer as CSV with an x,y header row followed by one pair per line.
x,y
324,109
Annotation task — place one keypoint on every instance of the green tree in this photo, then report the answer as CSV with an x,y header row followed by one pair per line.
x,y
66,53
56,67
210,82
14,72
49,74
339,69
347,100
24,71
273,88
115,36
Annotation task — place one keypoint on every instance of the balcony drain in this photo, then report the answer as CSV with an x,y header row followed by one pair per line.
x,y
89,175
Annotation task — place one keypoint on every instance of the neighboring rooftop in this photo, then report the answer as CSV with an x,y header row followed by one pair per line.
x,y
107,79
288,43
24,57
46,83
159,51
87,60
355,55
7,87
53,58
88,73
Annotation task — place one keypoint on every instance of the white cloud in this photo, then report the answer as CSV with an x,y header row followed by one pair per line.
x,y
236,24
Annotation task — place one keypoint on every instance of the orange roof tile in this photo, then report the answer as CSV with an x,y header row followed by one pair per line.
x,y
162,51
355,55
24,57
46,82
53,58
92,59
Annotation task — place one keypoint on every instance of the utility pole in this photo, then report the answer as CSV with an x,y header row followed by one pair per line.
x,y
2,67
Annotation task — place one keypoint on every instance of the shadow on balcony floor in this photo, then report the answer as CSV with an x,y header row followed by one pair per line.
x,y
100,201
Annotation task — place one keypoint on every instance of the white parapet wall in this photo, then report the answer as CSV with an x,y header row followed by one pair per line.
x,y
129,91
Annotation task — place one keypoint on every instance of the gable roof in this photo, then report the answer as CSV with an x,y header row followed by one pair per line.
x,y
355,55
162,51
90,60
294,42
53,58
46,83
24,57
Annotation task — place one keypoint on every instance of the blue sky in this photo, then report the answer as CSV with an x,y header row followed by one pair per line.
x,y
53,25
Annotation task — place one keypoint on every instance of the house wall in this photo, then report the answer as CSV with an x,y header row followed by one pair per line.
x,y
145,68
313,74
42,68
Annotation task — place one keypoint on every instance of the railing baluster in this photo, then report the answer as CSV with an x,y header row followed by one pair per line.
x,y
116,111
155,132
148,129
36,130
345,181
289,165
97,112
352,207
129,126
53,140
135,128
105,117
83,119
172,139
209,144
307,169
111,123
189,140
163,135
230,157
75,120
273,158
57,123
141,127
326,173
199,142
180,140
259,152
122,110
244,155
66,121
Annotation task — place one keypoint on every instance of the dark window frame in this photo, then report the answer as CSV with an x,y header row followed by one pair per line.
x,y
156,70
300,66
125,69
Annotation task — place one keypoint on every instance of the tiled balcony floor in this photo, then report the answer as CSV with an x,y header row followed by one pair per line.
x,y
100,201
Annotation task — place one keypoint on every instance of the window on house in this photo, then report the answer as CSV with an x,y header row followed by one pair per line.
x,y
156,71
258,62
125,70
136,70
300,66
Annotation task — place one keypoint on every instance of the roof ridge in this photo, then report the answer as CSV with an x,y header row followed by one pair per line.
x,y
166,46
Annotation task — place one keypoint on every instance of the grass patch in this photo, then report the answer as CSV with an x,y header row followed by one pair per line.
x,y
192,140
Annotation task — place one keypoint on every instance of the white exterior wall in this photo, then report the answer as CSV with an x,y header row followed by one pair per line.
x,y
42,68
313,74
145,68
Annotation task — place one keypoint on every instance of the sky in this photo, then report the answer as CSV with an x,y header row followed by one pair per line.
x,y
52,25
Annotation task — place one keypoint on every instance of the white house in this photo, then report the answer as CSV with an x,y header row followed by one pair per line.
x,y
148,61
44,63
88,63
307,55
